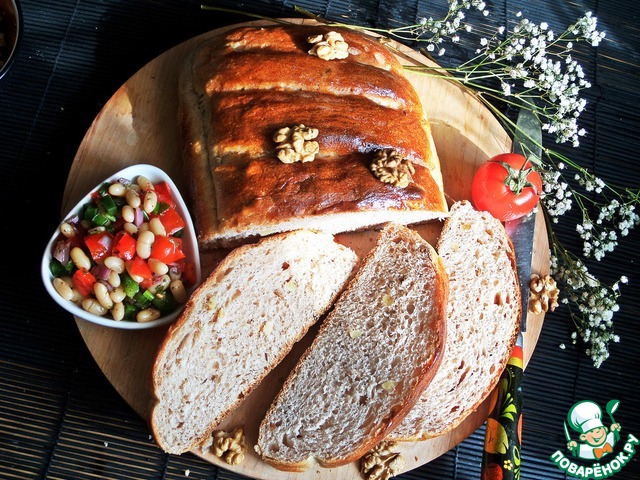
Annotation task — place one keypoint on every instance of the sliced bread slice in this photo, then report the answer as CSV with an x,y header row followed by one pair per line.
x,y
373,356
237,326
482,325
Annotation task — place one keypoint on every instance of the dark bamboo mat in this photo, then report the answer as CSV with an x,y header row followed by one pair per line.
x,y
61,419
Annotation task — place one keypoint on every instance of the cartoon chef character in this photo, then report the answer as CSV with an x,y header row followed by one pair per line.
x,y
585,417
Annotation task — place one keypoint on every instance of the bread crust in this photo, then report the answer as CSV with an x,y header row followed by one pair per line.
x,y
190,310
514,329
238,88
387,423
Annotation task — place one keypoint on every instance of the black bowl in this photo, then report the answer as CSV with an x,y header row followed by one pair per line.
x,y
10,32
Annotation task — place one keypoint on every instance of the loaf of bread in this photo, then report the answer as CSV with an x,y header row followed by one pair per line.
x,y
241,87
237,326
374,354
483,321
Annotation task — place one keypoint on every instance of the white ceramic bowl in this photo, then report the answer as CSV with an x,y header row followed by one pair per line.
x,y
189,245
11,26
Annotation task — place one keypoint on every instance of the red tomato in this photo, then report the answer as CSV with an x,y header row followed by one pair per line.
x,y
99,244
124,245
83,282
167,250
139,267
163,191
171,221
506,186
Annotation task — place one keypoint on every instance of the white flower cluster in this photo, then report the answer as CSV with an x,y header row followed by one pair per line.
x,y
596,303
597,239
556,194
587,27
434,32
524,56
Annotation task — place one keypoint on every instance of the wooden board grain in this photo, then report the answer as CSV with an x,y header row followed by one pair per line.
x,y
139,125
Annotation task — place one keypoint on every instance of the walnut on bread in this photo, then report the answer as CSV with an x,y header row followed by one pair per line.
x,y
295,144
391,167
240,87
330,46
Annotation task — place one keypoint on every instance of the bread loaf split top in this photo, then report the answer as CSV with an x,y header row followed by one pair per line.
x,y
375,353
241,86
237,326
483,322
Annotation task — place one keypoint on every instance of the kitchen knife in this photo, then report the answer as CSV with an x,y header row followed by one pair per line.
x,y
501,455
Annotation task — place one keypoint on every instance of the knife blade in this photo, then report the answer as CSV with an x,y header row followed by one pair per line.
x,y
521,231
527,142
503,429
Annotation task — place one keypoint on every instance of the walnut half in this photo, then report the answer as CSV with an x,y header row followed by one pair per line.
x,y
543,294
383,462
391,167
295,144
230,447
329,46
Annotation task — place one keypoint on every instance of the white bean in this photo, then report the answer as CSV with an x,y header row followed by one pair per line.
x,y
117,189
101,292
114,279
114,263
178,291
144,183
133,199
77,297
67,230
144,227
148,315
158,267
144,243
130,228
117,295
150,201
63,289
92,305
160,285
117,312
156,226
128,214
80,259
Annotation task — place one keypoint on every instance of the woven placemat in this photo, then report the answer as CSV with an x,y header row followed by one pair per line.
x,y
61,419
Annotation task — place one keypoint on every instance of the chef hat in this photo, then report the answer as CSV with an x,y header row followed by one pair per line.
x,y
585,416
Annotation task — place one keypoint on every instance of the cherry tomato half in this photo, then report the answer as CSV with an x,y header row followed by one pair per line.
x,y
506,186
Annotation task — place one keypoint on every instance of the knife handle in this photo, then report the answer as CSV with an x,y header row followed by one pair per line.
x,y
503,437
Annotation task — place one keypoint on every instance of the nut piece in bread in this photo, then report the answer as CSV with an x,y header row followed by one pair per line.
x,y
237,326
374,354
241,86
482,326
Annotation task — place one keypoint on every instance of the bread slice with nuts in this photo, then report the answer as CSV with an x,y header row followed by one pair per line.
x,y
482,325
373,356
237,326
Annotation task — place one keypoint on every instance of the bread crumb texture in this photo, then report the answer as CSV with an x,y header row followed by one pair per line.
x,y
483,319
366,360
237,326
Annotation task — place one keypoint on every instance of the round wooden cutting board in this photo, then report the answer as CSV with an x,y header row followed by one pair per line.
x,y
139,125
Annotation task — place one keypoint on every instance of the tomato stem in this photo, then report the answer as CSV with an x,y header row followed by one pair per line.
x,y
516,179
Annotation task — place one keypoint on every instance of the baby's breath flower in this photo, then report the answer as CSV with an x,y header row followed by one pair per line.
x,y
592,304
531,66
